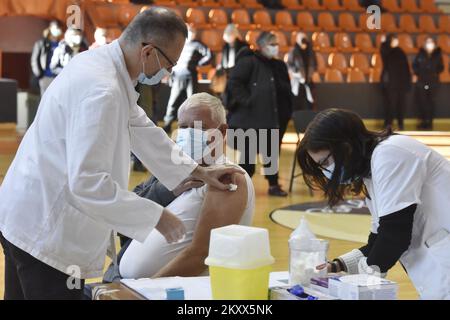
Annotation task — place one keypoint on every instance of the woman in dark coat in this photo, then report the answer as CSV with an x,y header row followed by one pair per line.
x,y
258,96
396,80
427,66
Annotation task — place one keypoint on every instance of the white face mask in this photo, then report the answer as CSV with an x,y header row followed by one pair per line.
x,y
155,79
193,141
55,32
271,51
429,46
76,40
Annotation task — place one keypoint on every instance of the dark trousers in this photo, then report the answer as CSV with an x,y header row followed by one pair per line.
x,y
395,106
27,278
179,86
248,163
425,100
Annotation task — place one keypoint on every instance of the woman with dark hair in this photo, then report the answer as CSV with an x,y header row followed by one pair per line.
x,y
406,185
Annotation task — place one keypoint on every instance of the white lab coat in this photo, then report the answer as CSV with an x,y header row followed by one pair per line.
x,y
67,188
404,172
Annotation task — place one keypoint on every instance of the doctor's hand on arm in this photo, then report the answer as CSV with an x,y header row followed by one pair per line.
x,y
214,175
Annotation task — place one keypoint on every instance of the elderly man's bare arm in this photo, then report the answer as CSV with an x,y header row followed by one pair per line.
x,y
220,208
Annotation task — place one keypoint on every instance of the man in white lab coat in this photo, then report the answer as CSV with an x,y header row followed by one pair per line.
x,y
66,189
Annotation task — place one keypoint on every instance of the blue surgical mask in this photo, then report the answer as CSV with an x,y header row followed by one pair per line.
x,y
328,173
155,79
193,142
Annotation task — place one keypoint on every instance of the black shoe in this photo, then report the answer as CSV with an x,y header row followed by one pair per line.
x,y
276,191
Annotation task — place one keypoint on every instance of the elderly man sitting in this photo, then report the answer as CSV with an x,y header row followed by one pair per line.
x,y
201,208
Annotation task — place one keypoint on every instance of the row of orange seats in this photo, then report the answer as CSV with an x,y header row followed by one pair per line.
x,y
283,20
413,6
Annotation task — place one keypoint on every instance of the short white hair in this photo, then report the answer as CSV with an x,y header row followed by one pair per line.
x,y
204,99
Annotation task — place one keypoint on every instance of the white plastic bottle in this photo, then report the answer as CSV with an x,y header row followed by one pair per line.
x,y
306,252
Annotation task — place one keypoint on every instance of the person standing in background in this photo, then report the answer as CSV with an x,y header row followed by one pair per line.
x,y
184,74
100,36
233,43
427,66
302,63
258,96
396,80
72,44
42,54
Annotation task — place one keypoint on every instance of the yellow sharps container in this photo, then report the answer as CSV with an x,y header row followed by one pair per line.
x,y
239,263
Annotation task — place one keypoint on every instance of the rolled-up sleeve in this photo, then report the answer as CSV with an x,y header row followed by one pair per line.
x,y
166,161
90,143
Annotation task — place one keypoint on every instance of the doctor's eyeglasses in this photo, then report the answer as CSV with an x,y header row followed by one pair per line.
x,y
171,63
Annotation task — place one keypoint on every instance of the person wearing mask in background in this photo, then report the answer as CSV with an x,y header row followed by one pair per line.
x,y
427,66
184,75
233,43
302,64
72,44
42,55
396,80
100,37
405,185
258,96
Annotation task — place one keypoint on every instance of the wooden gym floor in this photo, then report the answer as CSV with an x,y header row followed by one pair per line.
x,y
10,139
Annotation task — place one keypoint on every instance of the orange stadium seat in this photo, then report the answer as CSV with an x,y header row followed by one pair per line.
x,y
407,23
356,76
378,39
241,19
391,5
352,5
409,6
262,20
444,23
209,3
283,20
374,75
343,43
332,5
443,41
218,18
388,23
282,42
292,4
333,75
166,3
105,15
251,37
406,43
347,22
187,3
113,34
312,4
326,22
316,77
212,39
426,24
376,61
420,40
230,4
127,13
338,61
364,43
253,4
428,6
321,64
196,17
361,62
305,22
321,42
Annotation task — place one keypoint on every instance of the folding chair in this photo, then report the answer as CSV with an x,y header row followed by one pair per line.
x,y
302,119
